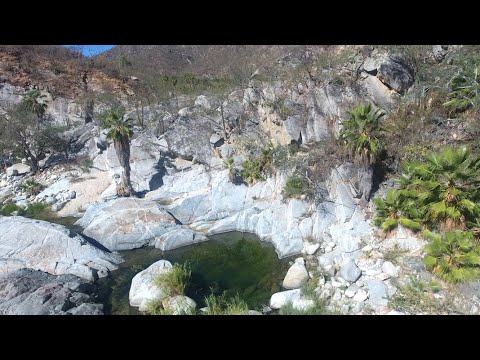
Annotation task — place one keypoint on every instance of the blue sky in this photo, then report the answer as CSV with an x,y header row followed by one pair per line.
x,y
91,50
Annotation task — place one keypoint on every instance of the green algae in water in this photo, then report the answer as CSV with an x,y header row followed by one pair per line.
x,y
231,263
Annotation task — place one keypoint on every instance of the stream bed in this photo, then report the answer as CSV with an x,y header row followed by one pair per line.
x,y
228,263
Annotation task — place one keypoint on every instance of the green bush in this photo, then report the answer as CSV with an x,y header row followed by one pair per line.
x,y
296,186
256,168
453,256
222,305
175,280
35,210
10,207
318,308
31,187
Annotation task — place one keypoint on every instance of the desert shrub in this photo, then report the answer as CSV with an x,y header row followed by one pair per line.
x,y
256,168
318,308
222,305
296,186
85,165
416,297
465,90
10,207
31,187
35,210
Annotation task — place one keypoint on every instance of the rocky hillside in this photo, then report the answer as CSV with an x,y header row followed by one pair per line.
x,y
54,69
200,60
325,152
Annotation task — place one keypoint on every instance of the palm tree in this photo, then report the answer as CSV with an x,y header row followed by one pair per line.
x,y
120,131
453,256
32,102
398,207
448,187
360,133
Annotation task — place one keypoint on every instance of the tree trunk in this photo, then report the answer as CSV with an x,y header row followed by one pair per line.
x,y
89,111
223,122
33,160
122,148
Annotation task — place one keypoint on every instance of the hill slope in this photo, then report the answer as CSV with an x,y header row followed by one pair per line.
x,y
197,59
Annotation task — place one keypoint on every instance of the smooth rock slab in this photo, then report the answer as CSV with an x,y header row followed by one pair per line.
x,y
125,223
178,237
52,248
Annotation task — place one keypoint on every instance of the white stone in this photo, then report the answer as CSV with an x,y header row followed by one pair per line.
x,y
350,293
179,305
372,272
367,248
390,269
279,299
302,304
296,276
17,169
394,312
312,248
143,289
336,284
360,296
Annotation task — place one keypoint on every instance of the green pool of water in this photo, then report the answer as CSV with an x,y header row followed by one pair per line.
x,y
231,263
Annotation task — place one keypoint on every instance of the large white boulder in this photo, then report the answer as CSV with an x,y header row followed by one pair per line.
x,y
52,248
143,288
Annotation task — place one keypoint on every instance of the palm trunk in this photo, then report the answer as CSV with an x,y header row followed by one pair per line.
x,y
122,148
